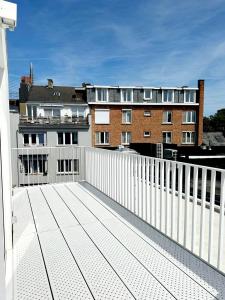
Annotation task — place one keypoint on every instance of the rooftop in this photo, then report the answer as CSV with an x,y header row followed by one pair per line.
x,y
73,242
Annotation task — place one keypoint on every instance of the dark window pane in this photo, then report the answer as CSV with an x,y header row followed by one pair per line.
x,y
34,111
56,112
29,111
60,138
33,138
76,165
67,138
35,166
74,138
41,138
26,138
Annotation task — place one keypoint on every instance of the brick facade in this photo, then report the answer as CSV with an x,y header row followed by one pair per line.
x,y
153,124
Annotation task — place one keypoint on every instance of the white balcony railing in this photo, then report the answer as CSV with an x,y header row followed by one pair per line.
x,y
183,201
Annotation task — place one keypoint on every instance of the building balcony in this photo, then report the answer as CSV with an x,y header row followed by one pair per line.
x,y
53,122
116,225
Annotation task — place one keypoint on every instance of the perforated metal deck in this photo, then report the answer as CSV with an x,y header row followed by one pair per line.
x,y
72,242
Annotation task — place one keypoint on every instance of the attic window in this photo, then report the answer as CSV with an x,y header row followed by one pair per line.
x,y
57,94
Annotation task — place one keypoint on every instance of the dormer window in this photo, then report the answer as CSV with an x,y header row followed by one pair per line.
x,y
102,95
147,94
57,93
126,95
189,96
168,95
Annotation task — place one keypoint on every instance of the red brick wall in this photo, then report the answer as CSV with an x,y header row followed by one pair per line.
x,y
140,123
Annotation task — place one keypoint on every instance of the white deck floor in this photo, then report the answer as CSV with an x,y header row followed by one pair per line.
x,y
70,243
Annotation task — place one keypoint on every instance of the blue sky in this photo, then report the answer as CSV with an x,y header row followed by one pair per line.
x,y
122,42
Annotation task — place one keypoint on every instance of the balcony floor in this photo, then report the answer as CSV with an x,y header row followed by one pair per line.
x,y
72,242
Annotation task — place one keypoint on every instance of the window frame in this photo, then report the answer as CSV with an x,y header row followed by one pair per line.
x,y
171,135
102,109
147,135
185,96
163,96
192,117
166,113
36,137
146,98
145,113
125,100
188,142
124,120
101,89
64,138
127,141
71,164
104,137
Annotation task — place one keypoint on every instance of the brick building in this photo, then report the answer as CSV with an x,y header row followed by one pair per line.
x,y
124,115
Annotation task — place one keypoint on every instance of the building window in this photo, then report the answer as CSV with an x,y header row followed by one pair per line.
x,y
189,96
167,137
68,138
102,95
125,138
126,116
189,116
147,133
32,111
188,137
168,95
147,113
102,116
147,94
34,139
167,117
126,95
68,166
52,112
34,164
102,138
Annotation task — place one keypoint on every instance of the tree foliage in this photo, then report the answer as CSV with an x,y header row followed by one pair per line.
x,y
215,122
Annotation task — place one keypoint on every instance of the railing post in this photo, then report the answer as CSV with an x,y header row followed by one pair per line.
x,y
221,225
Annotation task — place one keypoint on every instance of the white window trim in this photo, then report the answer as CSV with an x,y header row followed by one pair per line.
x,y
145,98
147,135
37,139
163,100
64,166
125,110
146,113
126,134
104,138
31,169
121,95
166,137
188,143
167,111
64,138
96,95
185,96
185,116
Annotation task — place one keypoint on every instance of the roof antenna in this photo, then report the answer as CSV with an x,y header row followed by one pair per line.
x,y
31,73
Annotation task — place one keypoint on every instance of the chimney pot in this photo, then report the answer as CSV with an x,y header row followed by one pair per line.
x,y
50,83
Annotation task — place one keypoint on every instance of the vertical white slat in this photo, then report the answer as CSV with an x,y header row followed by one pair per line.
x,y
132,194
152,191
162,193
194,207
187,199
117,176
136,185
128,190
180,199
167,197
211,213
221,249
123,179
203,198
143,195
173,198
139,186
156,191
147,192
28,164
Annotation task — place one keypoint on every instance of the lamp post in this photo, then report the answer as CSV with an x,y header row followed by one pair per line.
x,y
8,15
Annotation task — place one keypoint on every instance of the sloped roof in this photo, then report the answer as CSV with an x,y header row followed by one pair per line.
x,y
58,94
213,139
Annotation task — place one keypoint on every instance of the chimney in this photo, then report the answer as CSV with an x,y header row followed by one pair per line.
x,y
50,84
